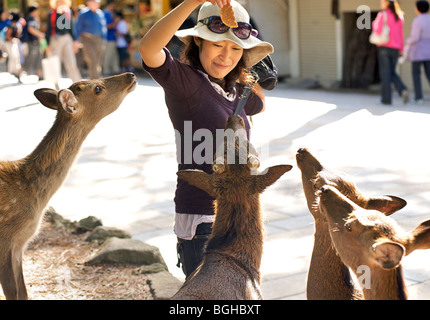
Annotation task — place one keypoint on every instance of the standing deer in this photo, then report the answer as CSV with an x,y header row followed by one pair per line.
x,y
28,184
369,239
328,277
230,269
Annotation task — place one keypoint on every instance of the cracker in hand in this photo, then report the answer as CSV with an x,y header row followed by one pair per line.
x,y
227,16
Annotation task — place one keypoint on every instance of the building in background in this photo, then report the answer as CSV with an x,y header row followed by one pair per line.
x,y
313,39
319,40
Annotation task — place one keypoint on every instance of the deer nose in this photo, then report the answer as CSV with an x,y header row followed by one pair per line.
x,y
130,75
301,150
324,189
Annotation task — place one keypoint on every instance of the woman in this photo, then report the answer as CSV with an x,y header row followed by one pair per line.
x,y
419,47
60,37
388,53
201,91
11,46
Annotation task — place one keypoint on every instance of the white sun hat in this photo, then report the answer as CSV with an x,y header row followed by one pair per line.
x,y
254,49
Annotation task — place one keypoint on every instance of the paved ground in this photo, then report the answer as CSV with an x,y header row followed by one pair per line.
x,y
126,171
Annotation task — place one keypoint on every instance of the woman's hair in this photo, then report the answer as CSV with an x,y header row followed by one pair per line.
x,y
191,56
54,3
395,8
32,9
423,6
15,17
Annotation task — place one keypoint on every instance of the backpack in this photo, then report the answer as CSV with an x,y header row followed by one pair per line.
x,y
25,35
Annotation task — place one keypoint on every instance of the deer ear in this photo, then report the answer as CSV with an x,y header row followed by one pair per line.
x,y
420,238
47,97
199,179
68,101
270,176
388,254
386,204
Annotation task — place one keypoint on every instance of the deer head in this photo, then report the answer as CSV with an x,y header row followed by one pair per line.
x,y
234,162
368,237
315,176
89,101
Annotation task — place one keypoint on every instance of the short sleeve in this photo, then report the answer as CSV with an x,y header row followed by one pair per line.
x,y
176,78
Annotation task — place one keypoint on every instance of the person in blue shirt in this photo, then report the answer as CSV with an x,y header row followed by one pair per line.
x,y
110,58
91,32
4,23
4,19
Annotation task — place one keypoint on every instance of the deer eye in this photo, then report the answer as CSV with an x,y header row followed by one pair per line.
x,y
98,90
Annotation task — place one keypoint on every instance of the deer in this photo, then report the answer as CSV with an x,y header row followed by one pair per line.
x,y
369,242
27,185
328,278
230,269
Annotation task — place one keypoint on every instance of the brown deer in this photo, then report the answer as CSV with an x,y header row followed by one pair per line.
x,y
230,269
369,239
328,277
28,184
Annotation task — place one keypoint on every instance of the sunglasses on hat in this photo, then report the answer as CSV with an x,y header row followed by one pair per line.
x,y
243,31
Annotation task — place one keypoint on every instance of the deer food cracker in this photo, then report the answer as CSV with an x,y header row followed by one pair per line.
x,y
227,16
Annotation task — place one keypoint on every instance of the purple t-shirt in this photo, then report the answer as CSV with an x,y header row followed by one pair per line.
x,y
419,40
194,104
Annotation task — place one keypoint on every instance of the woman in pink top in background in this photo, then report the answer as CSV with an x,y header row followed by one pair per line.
x,y
388,53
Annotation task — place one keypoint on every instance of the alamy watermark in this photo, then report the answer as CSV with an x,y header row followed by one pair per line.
x,y
198,147
364,277
64,23
365,19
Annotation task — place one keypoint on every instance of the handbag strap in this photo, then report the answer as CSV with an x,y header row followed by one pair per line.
x,y
245,95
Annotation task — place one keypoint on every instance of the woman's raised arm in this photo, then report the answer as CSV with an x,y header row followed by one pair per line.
x,y
152,44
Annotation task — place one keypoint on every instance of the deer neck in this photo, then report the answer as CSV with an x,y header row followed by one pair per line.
x,y
328,277
47,166
386,285
238,231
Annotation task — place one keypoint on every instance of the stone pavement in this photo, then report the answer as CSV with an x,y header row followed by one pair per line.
x,y
126,171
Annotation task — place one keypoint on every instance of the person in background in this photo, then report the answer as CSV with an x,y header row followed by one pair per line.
x,y
419,48
121,42
11,46
91,32
110,58
388,53
32,35
4,19
60,37
4,23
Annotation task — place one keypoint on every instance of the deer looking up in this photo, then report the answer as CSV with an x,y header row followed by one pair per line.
x,y
328,278
28,184
230,268
367,238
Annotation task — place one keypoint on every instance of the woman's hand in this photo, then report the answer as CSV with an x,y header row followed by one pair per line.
x,y
220,3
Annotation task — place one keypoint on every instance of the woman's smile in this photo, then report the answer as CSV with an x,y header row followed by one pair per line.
x,y
221,66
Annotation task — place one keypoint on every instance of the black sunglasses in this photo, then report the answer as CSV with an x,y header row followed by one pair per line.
x,y
243,31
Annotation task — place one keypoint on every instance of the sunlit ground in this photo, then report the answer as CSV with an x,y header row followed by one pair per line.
x,y
126,171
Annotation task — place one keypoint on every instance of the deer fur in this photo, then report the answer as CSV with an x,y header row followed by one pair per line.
x,y
28,184
328,277
369,238
230,269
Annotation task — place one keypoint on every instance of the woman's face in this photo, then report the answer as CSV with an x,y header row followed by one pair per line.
x,y
384,4
219,58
